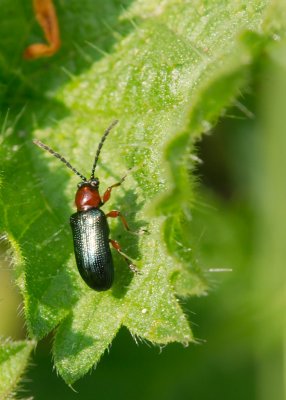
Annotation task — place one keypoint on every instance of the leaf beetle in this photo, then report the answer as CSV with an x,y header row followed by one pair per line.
x,y
89,225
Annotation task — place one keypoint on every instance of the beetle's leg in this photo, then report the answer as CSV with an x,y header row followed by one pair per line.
x,y
107,193
115,214
128,260
47,18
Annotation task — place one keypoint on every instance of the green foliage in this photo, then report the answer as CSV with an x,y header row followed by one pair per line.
x,y
13,361
269,297
166,72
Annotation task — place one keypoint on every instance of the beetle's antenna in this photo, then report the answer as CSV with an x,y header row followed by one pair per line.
x,y
57,155
100,146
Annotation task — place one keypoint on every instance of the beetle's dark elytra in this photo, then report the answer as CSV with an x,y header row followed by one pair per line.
x,y
91,246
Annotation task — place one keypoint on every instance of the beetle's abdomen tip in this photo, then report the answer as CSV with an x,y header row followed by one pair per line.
x,y
98,288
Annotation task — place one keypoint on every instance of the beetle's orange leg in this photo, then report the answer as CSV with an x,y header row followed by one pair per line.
x,y
46,16
115,214
128,260
107,193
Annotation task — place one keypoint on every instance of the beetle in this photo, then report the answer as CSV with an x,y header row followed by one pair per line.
x,y
89,225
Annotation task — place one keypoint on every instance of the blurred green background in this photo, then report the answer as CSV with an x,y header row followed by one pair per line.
x,y
238,226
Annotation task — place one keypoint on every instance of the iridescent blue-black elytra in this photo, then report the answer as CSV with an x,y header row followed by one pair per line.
x,y
92,252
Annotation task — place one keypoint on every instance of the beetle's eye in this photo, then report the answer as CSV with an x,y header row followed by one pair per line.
x,y
95,182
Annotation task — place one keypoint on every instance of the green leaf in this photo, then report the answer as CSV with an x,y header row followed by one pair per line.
x,y
166,72
13,361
